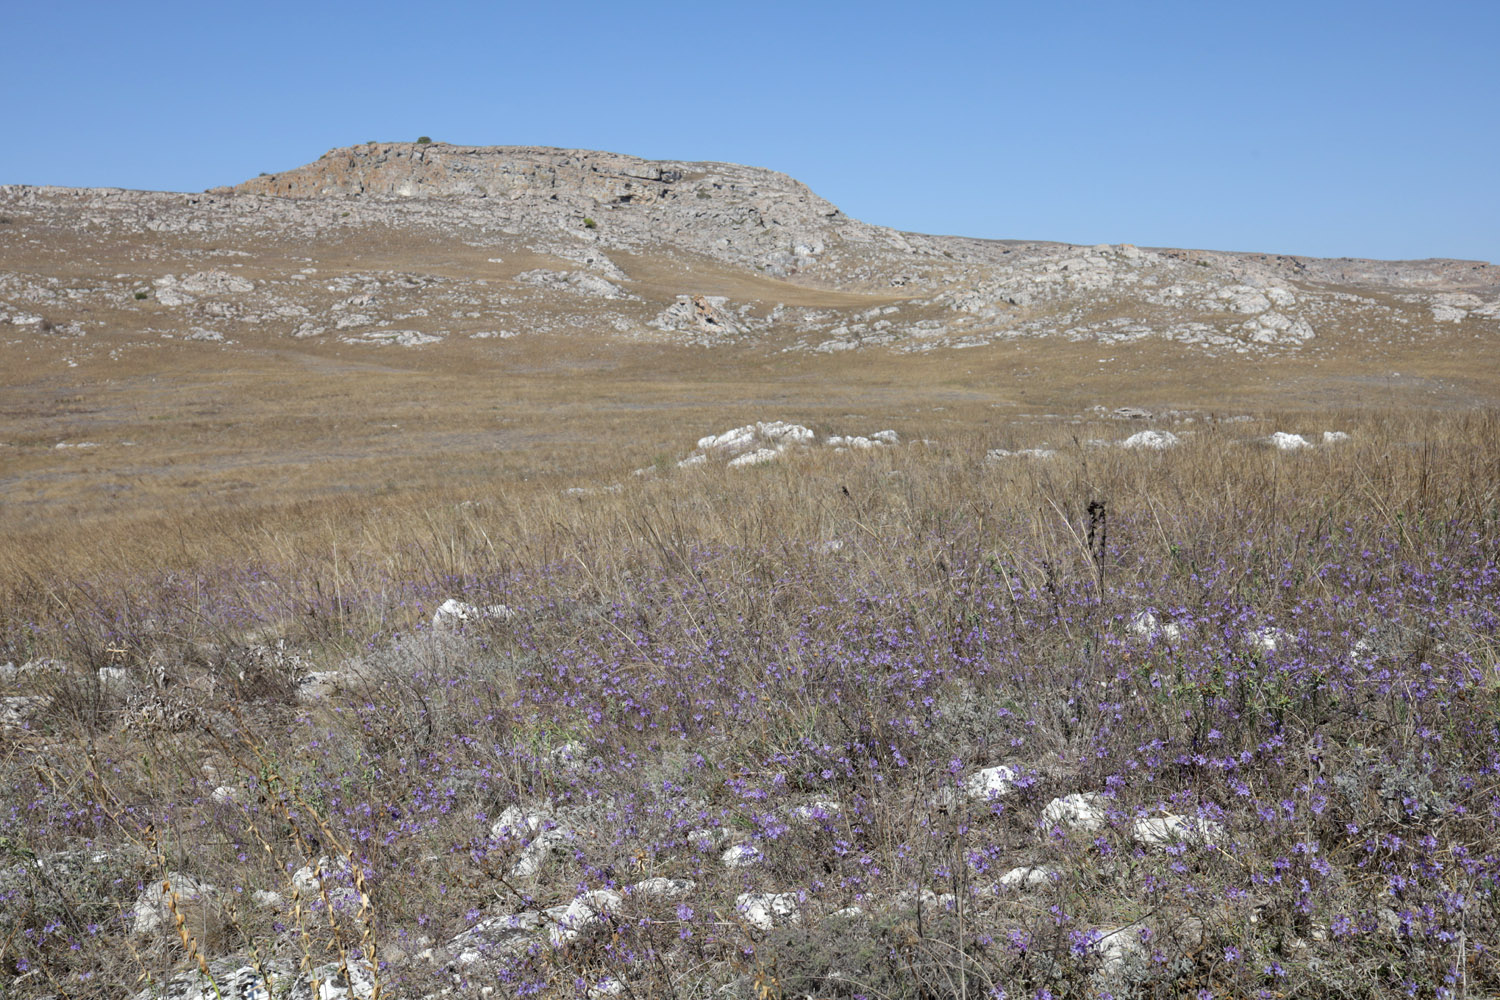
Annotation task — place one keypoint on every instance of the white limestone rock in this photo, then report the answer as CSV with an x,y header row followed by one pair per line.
x,y
114,680
765,910
543,848
818,811
587,915
495,937
152,912
757,457
1159,831
229,982
17,711
309,878
1029,877
1152,440
226,795
926,899
707,839
453,614
1148,624
741,856
1283,441
1265,640
1086,811
318,685
1120,949
1001,454
663,888
991,783
265,899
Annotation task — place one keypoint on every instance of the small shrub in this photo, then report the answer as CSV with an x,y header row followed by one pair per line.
x,y
424,140
589,223
142,295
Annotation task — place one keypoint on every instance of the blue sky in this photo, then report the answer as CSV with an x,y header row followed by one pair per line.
x,y
1365,129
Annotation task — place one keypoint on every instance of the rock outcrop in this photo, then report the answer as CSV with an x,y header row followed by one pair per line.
x,y
711,207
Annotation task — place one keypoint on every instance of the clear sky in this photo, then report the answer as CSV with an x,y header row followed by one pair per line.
x,y
1367,129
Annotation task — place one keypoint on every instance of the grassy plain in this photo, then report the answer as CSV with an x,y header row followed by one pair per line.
x,y
227,673
858,632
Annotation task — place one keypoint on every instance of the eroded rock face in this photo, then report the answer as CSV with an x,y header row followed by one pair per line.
x,y
709,206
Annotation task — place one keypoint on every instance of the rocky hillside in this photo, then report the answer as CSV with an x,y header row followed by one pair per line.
x,y
740,214
621,250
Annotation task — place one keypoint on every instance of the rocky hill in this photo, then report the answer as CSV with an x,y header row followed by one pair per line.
x,y
741,214
622,250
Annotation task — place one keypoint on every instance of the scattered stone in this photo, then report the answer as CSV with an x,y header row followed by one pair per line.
x,y
705,316
1028,877
16,711
1080,811
1001,454
1157,831
152,913
1265,640
226,795
544,847
578,282
758,457
1120,951
453,614
114,680
992,782
309,878
264,899
496,937
664,888
926,899
318,685
399,338
214,283
764,911
706,840
816,812
1153,440
860,442
1148,624
230,982
585,916
741,856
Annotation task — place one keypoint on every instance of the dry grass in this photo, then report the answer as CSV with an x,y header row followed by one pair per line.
x,y
686,562
725,644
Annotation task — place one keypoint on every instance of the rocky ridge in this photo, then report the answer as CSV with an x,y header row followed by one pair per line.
x,y
564,232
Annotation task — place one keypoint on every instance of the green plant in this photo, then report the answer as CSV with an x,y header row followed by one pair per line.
x,y
142,295
424,140
589,223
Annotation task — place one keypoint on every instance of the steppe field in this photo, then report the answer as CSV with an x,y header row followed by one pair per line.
x,y
444,571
